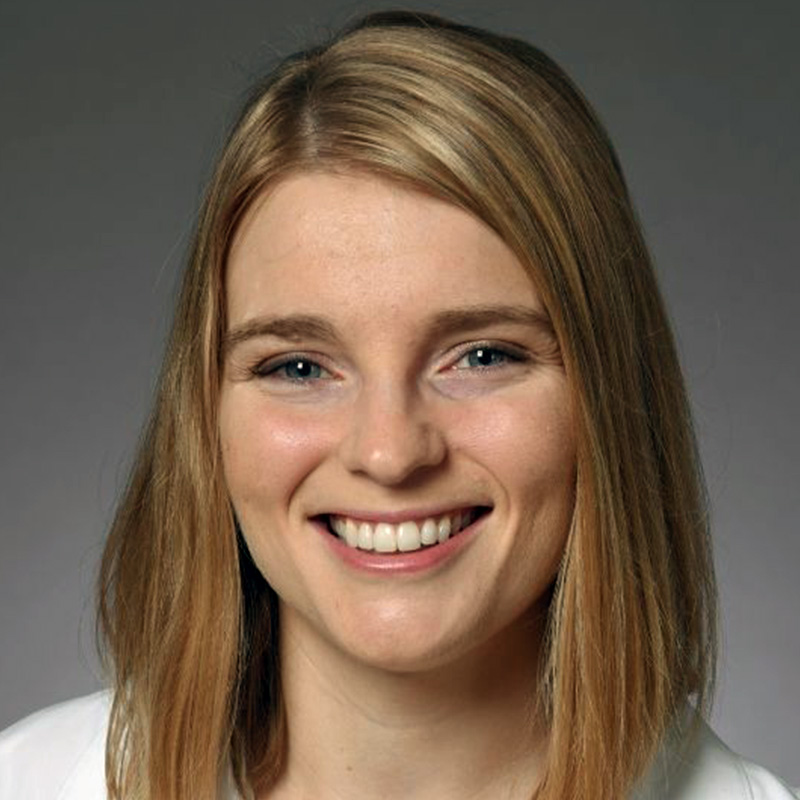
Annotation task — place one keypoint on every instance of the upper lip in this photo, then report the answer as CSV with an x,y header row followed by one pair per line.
x,y
395,517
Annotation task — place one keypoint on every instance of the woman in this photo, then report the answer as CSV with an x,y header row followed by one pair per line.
x,y
418,512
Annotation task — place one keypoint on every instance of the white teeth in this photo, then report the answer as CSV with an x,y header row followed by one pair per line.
x,y
429,534
385,539
408,537
350,533
405,537
365,536
444,529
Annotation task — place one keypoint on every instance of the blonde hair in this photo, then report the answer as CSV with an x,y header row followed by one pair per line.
x,y
492,125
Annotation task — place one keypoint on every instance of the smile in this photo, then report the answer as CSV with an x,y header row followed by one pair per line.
x,y
404,537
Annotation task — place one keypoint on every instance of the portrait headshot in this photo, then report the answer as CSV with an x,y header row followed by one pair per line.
x,y
400,402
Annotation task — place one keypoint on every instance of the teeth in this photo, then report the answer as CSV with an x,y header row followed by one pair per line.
x,y
408,537
429,534
385,538
445,526
405,537
350,533
364,541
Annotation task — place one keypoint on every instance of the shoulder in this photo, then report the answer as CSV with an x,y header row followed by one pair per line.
x,y
57,753
709,770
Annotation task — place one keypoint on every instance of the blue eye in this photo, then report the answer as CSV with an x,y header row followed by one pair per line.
x,y
485,356
301,370
296,370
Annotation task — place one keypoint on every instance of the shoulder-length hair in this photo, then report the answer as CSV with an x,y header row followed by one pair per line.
x,y
490,124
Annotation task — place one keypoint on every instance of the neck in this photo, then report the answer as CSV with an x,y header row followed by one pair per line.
x,y
468,729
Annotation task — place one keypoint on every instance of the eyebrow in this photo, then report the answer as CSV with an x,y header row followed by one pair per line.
x,y
298,327
293,328
462,320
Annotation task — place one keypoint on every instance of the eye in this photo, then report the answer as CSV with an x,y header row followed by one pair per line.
x,y
294,369
487,356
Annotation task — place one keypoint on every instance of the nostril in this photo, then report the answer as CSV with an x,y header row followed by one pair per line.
x,y
391,444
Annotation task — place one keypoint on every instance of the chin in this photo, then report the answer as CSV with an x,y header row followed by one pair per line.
x,y
405,640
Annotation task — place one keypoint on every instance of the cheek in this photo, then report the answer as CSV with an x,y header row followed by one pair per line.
x,y
267,452
527,443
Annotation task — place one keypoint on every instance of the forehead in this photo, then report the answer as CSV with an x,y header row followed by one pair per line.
x,y
356,242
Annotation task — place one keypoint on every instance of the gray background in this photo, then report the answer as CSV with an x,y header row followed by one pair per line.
x,y
111,114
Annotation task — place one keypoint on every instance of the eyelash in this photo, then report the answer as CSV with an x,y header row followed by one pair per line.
x,y
269,369
506,354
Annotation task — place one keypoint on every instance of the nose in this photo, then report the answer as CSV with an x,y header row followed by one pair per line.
x,y
390,438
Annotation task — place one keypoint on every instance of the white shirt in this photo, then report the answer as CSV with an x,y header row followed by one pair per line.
x,y
59,754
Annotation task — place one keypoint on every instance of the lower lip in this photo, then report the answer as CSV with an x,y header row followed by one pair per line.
x,y
400,563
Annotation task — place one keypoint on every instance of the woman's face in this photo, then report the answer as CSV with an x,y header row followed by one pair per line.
x,y
395,420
